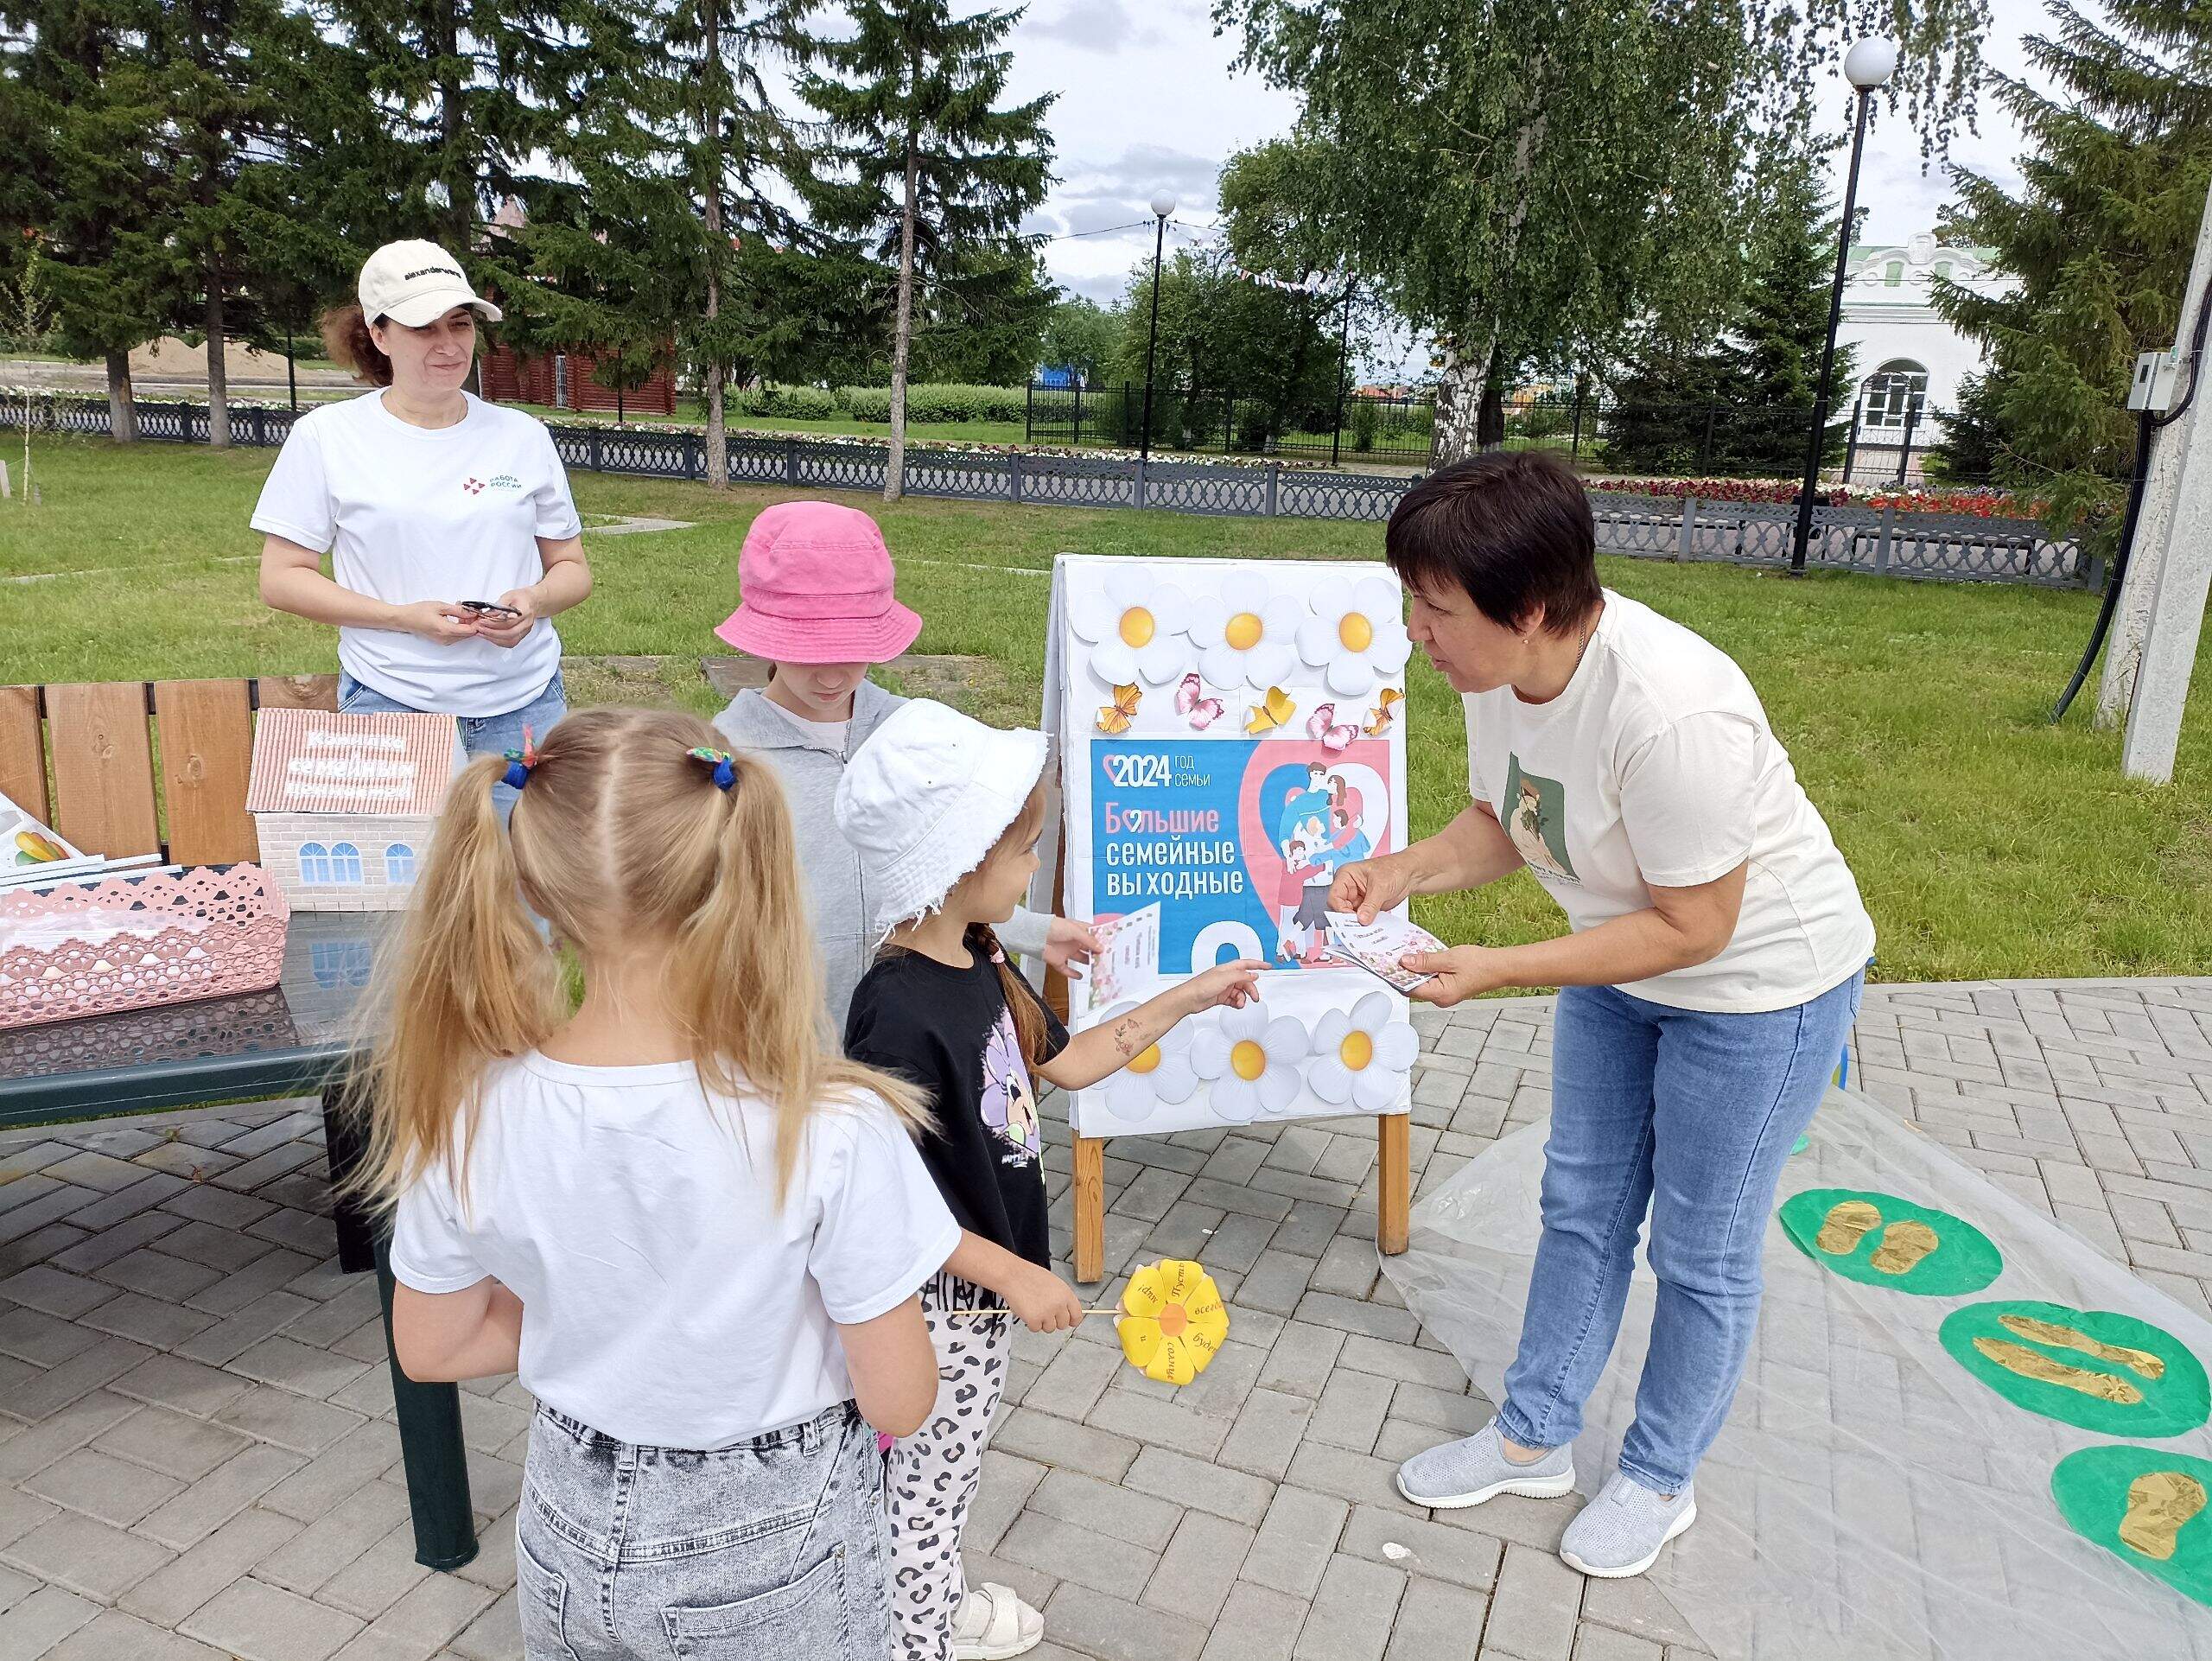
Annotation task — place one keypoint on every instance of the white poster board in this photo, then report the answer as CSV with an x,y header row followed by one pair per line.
x,y
1230,733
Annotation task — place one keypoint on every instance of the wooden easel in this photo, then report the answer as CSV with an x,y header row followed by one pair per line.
x,y
1394,1148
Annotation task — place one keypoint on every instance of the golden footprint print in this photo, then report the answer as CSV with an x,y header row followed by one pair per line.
x,y
2034,1363
1847,1224
2159,1502
2142,1363
1904,1245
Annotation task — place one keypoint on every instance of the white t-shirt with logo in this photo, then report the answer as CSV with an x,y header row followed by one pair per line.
x,y
1656,768
666,1301
410,514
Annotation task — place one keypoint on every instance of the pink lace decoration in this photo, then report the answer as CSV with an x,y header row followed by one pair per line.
x,y
228,937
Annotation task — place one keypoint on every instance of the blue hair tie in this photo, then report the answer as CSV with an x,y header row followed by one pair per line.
x,y
724,764
519,762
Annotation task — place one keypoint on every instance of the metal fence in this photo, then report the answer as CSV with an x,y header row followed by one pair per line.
x,y
1884,541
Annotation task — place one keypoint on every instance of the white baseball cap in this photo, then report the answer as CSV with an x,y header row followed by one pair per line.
x,y
417,284
926,798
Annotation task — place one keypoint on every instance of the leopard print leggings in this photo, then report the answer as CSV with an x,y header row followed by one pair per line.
x,y
931,1476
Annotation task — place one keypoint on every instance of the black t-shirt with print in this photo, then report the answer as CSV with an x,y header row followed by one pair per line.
x,y
949,1030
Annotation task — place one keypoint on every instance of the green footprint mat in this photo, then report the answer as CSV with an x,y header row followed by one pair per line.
x,y
1881,1240
2093,1368
2146,1507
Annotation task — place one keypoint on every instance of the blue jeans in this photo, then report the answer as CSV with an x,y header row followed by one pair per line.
x,y
479,735
1691,1115
773,1548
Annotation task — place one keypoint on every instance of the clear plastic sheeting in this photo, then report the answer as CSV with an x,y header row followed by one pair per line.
x,y
1869,1498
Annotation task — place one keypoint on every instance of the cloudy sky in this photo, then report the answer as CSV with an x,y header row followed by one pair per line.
x,y
1147,99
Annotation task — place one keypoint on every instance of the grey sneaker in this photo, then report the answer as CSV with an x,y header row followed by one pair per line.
x,y
1475,1469
1619,1533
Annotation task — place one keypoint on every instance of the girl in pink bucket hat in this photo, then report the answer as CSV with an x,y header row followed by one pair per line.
x,y
815,585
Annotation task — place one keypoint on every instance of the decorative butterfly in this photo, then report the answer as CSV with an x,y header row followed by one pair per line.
x,y
1320,726
1379,718
35,850
1270,712
1114,717
1203,711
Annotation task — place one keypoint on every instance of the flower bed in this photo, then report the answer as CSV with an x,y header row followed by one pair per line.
x,y
1966,502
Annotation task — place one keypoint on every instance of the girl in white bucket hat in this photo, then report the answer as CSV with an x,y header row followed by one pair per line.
x,y
944,813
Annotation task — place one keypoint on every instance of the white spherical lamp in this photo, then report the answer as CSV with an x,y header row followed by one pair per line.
x,y
1870,63
1163,203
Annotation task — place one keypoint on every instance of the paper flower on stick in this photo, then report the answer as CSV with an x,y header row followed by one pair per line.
x,y
1251,1062
1362,1058
1134,629
1159,1073
1175,1323
1355,634
1251,641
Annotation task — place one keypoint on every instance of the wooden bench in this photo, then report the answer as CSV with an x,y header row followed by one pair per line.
x,y
122,768
160,767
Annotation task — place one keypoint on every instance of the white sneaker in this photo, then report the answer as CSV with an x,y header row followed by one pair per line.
x,y
1621,1531
1475,1469
994,1624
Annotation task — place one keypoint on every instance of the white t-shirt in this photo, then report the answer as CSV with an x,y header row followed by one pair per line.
x,y
815,734
1656,768
412,513
666,1302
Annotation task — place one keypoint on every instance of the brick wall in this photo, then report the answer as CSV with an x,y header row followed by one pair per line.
x,y
567,383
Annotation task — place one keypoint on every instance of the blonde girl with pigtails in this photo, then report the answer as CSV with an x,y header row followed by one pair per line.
x,y
697,1236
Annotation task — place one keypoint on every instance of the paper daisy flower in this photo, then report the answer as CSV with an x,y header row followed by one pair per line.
x,y
1175,1322
1356,634
1160,1073
1134,629
1253,1063
1362,1058
1251,639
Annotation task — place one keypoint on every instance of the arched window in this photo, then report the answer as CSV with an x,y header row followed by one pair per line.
x,y
315,862
1892,393
399,863
344,863
1893,274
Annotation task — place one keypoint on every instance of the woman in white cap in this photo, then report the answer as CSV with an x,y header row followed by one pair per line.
x,y
453,537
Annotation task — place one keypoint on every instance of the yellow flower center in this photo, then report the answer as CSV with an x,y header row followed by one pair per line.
x,y
1172,1320
1137,626
1356,1051
1248,1060
1148,1061
1244,630
1356,632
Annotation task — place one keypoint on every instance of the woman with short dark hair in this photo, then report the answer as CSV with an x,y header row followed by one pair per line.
x,y
1711,969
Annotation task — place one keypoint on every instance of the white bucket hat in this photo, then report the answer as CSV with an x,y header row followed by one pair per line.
x,y
926,798
416,283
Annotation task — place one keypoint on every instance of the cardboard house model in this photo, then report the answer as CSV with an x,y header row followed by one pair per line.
x,y
344,804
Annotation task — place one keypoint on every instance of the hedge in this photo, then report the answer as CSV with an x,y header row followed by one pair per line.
x,y
932,402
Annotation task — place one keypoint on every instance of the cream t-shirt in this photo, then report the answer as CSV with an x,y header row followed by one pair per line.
x,y
1656,768
666,1301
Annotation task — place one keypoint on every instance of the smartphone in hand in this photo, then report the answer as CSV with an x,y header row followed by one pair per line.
x,y
492,609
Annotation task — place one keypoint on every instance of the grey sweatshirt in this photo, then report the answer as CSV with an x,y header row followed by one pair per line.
x,y
837,891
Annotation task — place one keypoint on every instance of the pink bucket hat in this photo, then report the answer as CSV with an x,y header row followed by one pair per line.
x,y
815,583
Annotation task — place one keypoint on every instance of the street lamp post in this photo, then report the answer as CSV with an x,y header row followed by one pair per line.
x,y
1163,204
1867,66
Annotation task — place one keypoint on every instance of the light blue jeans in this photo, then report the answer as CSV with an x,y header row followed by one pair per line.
x,y
1691,1115
479,735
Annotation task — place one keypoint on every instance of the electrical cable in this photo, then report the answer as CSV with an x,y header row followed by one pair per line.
x,y
2146,426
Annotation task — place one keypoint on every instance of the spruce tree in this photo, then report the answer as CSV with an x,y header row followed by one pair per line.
x,y
2098,243
923,158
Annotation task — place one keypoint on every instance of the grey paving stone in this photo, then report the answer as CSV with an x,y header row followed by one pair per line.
x,y
1266,1433
1436,1619
119,1204
1636,1605
1068,1551
52,1291
87,1556
495,1635
376,1579
218,1248
1604,1643
1360,1477
59,1387
260,1622
1276,1282
63,1432
305,1369
1424,1548
1255,1624
1295,1541
1402,1361
1352,1612
1192,1483
157,1275
1124,1511
42,1620
276,1270
288,1419
15,1587
145,1320
1451,1413
1007,1486
1302,1359
1353,1315
173,1382
1074,1379
94,1252
220,1495
1533,1610
1199,1566
437,1610
113,1635
1350,1411
305,1561
1112,1629
1060,1442
99,1484
42,1339
169,1593
1161,1423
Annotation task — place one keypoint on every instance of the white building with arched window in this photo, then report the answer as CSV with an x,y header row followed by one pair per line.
x,y
345,806
1908,355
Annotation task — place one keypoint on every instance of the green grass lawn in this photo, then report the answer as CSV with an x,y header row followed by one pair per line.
x,y
1988,844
